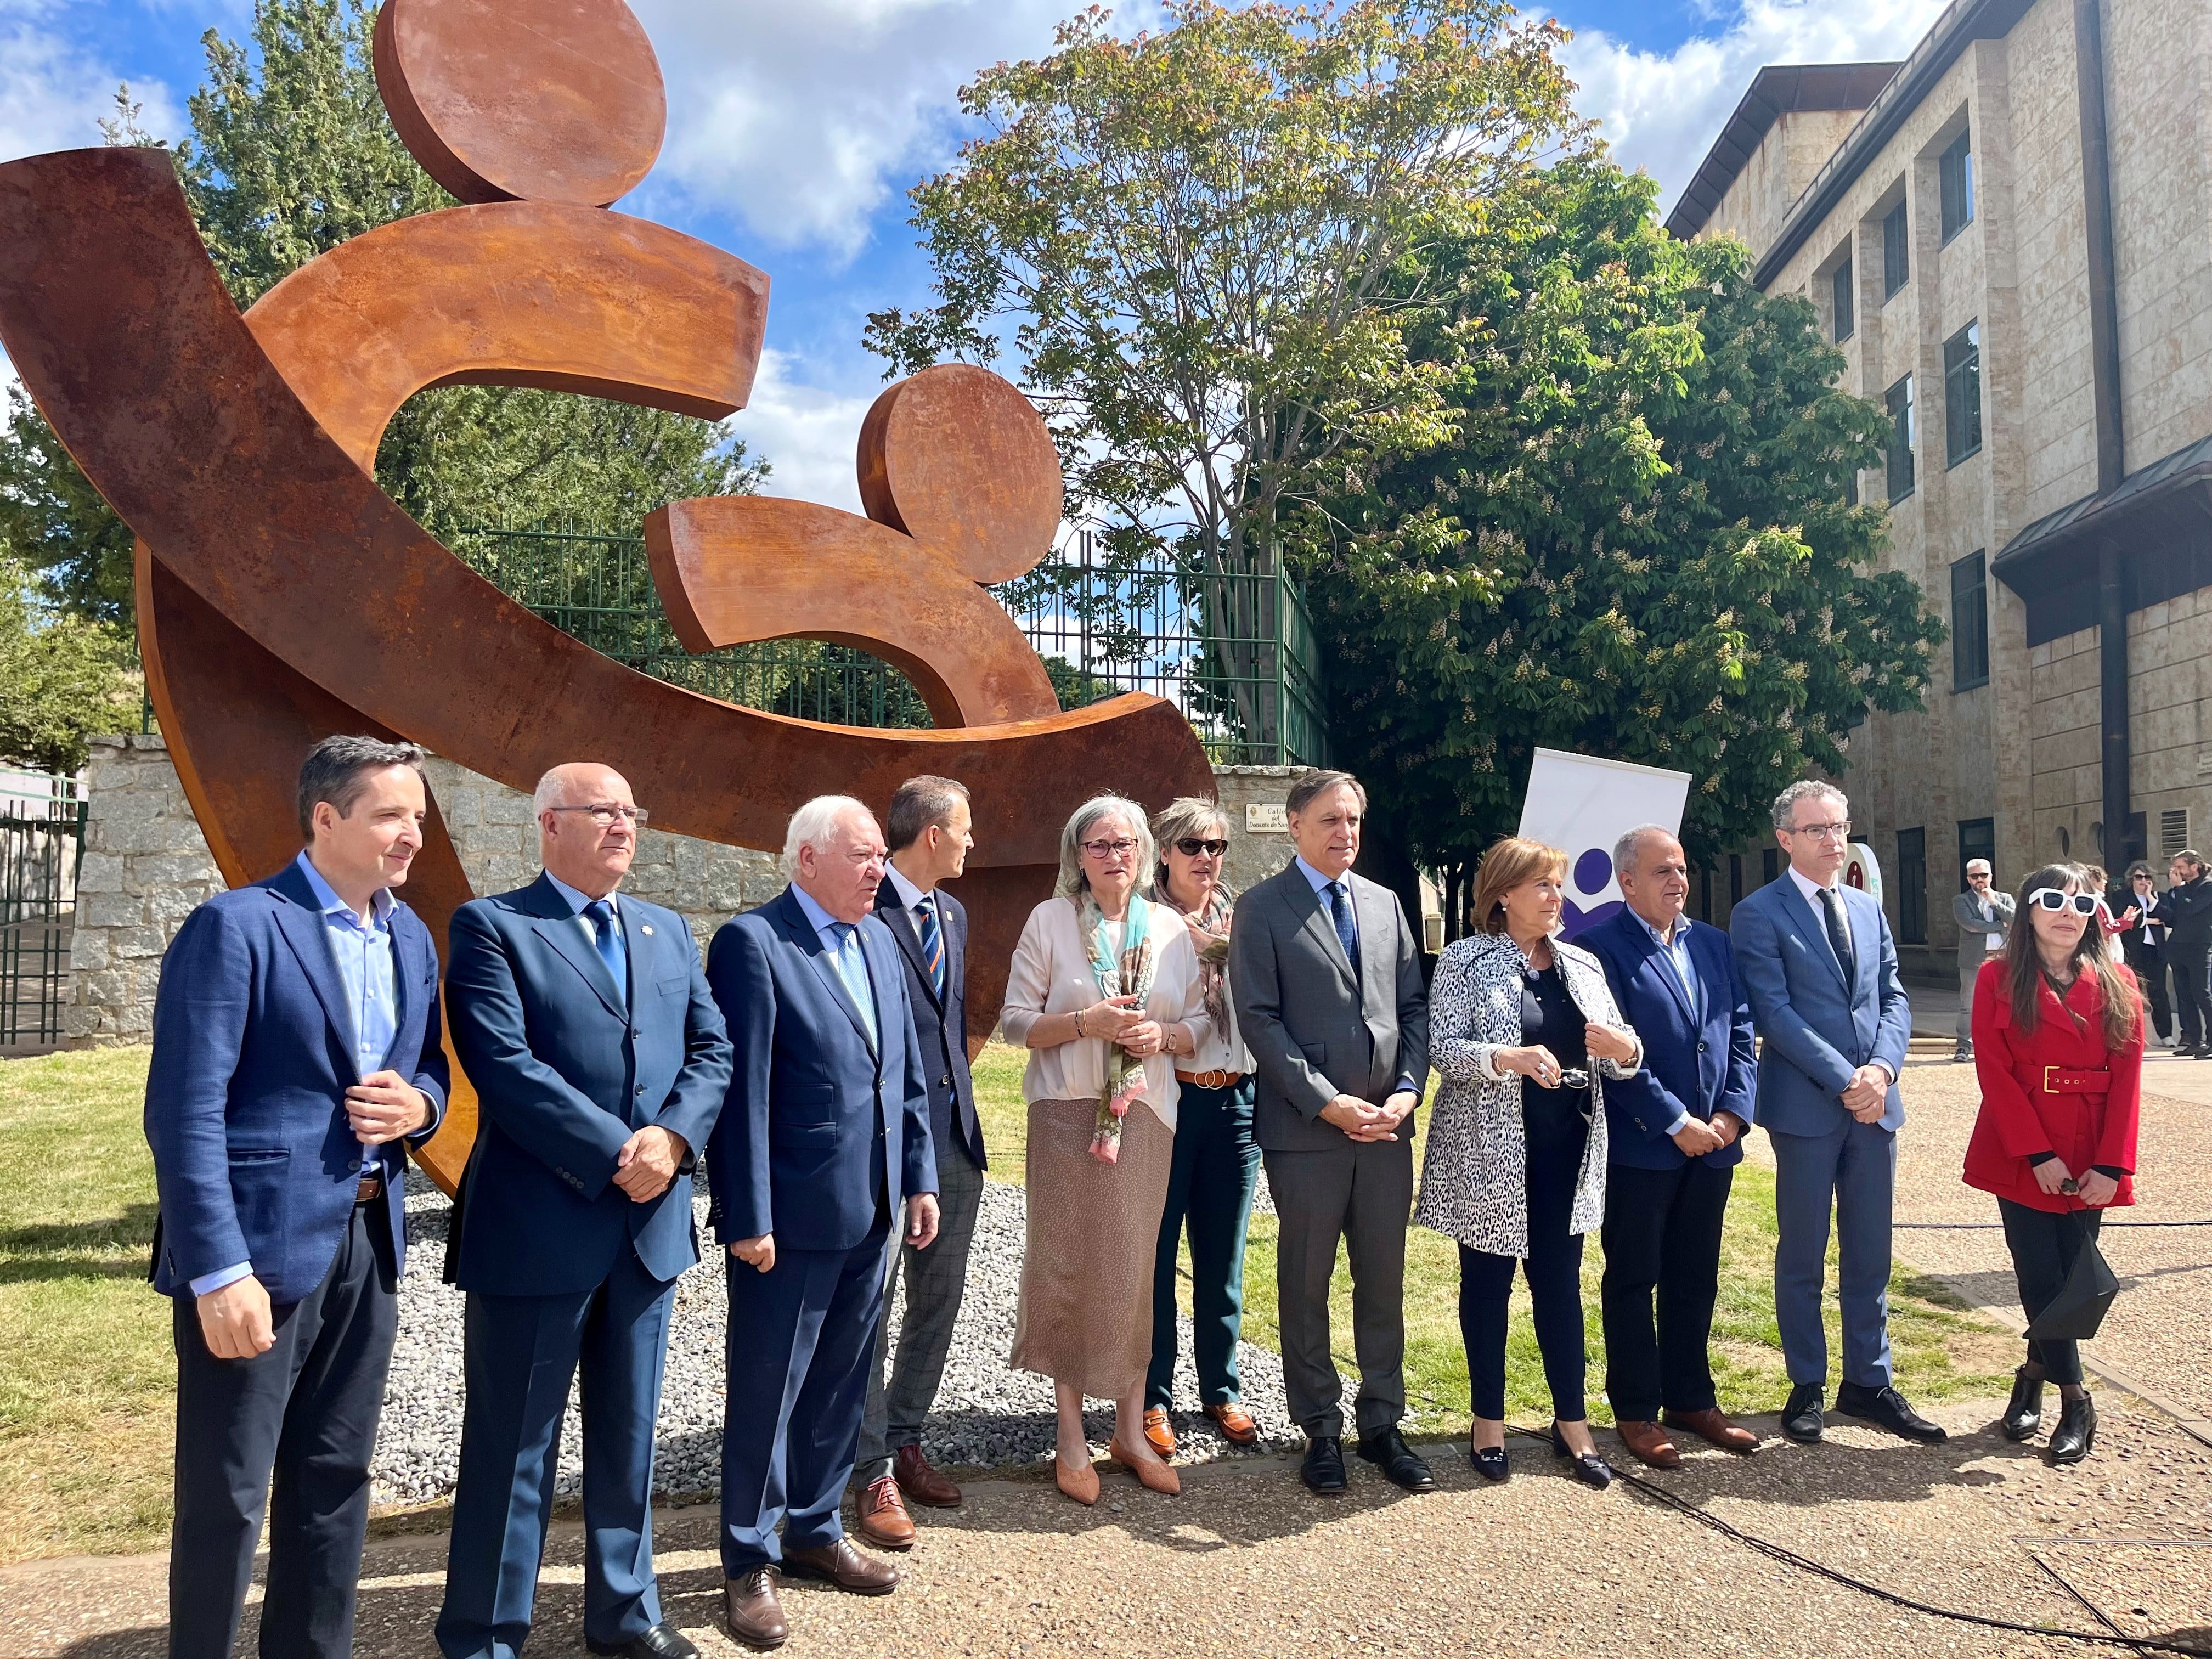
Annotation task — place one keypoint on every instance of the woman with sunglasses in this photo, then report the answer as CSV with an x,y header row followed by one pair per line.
x,y
1105,995
2058,1047
1217,1161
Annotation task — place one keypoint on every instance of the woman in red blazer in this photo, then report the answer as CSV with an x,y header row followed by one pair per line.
x,y
2058,1047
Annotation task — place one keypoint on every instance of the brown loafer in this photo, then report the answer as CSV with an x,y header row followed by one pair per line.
x,y
840,1564
1159,1433
1710,1425
1649,1442
754,1616
921,1484
1237,1427
884,1520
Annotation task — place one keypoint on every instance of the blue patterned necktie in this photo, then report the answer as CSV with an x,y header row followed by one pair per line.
x,y
932,943
612,951
1340,907
853,968
1839,934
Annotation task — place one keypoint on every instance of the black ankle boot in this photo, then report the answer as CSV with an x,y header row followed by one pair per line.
x,y
2024,1415
2077,1431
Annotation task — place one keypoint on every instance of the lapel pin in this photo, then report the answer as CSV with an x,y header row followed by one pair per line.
x,y
647,929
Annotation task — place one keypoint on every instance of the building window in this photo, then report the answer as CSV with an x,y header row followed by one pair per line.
x,y
1954,170
1977,839
2172,832
1896,254
1845,321
1898,400
1705,894
1735,880
1970,622
1770,864
1962,393
1912,886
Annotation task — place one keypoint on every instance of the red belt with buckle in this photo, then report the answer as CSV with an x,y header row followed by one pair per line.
x,y
2057,1080
370,1186
1210,1079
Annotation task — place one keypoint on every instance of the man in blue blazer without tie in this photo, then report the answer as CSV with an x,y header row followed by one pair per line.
x,y
1821,967
1675,1129
296,1057
824,1141
600,1060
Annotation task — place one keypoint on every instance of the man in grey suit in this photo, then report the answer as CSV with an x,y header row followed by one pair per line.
x,y
1330,1002
1984,917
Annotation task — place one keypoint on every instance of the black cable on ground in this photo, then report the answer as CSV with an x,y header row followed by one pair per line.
x,y
1804,1564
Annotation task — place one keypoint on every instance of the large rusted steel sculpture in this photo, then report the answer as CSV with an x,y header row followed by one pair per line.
x,y
283,596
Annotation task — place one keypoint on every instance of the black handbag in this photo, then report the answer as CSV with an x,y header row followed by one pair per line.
x,y
2075,1314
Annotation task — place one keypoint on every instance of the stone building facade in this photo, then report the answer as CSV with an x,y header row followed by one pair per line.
x,y
2011,243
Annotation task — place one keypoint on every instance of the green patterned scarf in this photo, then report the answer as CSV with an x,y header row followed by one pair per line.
x,y
1129,976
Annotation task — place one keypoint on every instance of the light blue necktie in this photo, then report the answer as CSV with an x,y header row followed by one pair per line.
x,y
1339,907
607,935
853,968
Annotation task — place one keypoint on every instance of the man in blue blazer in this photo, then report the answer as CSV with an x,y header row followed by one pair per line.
x,y
823,1141
599,1061
296,1057
1817,961
1674,1131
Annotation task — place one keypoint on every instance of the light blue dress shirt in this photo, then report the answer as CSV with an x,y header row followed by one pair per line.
x,y
1677,952
842,941
1319,883
577,899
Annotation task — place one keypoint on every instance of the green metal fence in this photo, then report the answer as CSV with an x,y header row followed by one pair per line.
x,y
41,837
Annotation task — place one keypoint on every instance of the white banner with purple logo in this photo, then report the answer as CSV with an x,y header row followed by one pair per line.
x,y
1584,803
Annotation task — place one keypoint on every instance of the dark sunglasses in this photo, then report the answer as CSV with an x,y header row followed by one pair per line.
x,y
1190,846
2052,898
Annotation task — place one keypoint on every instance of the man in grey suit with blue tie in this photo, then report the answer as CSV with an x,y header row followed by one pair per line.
x,y
1817,961
583,1017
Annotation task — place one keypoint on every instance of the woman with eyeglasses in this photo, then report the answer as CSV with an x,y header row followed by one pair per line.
x,y
2144,944
1105,995
1217,1161
1515,1166
2058,1047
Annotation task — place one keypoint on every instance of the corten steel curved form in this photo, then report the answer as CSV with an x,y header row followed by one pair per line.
x,y
283,596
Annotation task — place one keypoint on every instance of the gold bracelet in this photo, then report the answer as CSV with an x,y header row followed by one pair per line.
x,y
1078,1022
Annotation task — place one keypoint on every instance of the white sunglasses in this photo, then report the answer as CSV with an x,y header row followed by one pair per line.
x,y
2055,898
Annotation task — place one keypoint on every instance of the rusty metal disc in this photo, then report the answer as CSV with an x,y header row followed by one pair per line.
x,y
542,101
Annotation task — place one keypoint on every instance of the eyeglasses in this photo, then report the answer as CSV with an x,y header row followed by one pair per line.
x,y
1104,849
1191,846
1824,831
2054,898
606,811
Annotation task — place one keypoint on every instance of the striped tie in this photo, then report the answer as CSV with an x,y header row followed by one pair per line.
x,y
932,943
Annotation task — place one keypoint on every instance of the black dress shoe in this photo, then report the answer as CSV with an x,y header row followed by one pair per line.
x,y
2077,1431
1323,1469
663,1641
1890,1409
2023,1412
1801,1418
1386,1450
1489,1461
1591,1469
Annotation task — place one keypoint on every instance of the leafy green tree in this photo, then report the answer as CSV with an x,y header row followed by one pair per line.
x,y
1640,543
1191,240
291,154
62,678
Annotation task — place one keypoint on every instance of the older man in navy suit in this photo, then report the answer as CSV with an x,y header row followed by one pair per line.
x,y
1818,962
1675,1135
296,1057
823,1141
583,1017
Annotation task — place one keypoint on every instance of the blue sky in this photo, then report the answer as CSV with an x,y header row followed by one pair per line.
x,y
797,125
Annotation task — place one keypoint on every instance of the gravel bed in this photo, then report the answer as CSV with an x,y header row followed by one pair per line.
x,y
986,1416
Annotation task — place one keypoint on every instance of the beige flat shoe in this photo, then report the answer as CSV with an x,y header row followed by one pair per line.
x,y
1157,1476
1081,1484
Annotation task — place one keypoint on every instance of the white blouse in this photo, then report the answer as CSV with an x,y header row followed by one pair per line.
x,y
1051,974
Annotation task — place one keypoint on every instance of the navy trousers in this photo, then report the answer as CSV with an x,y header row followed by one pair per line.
x,y
521,1353
1210,1185
802,1337
306,1413
1852,1170
1557,1137
1662,1241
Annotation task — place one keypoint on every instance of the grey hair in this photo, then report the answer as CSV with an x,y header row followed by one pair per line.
x,y
1982,864
1624,849
1072,881
337,770
1315,784
1186,815
1785,804
813,824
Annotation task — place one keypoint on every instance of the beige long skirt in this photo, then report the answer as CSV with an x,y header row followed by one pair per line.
x,y
1085,1314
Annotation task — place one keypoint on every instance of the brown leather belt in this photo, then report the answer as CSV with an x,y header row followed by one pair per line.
x,y
2057,1080
370,1188
1210,1079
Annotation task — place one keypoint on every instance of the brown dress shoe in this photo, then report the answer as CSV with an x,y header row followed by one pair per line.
x,y
884,1520
1080,1483
754,1616
1649,1444
1159,1433
921,1484
1710,1425
1235,1426
1157,1476
840,1564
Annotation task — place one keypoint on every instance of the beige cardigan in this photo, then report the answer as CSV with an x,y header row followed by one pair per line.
x,y
1051,974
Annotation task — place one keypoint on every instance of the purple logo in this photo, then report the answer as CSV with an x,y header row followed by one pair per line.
x,y
1592,873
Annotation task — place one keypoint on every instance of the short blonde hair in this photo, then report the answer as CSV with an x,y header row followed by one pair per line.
x,y
1186,815
1073,880
1511,860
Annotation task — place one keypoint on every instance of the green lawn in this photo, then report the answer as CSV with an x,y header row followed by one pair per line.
x,y
1941,1352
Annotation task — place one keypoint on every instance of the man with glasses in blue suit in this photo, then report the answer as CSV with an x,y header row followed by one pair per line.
x,y
1817,961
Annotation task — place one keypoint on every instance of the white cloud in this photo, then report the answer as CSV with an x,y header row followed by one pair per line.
x,y
1662,111
806,433
52,95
